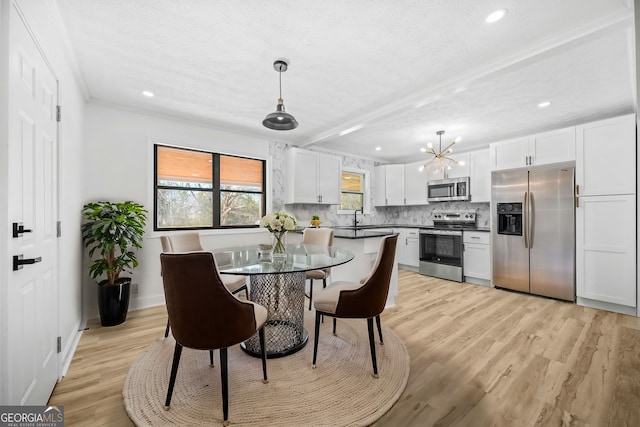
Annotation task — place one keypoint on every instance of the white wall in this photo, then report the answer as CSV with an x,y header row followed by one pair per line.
x,y
118,164
41,20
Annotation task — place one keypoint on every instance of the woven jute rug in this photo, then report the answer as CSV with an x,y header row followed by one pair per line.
x,y
341,391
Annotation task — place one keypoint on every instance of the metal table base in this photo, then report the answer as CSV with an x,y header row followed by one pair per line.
x,y
283,297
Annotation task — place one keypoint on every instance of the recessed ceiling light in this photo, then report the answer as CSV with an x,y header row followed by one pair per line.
x,y
544,104
378,148
496,16
148,94
351,129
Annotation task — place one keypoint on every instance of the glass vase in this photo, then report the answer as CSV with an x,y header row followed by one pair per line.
x,y
279,245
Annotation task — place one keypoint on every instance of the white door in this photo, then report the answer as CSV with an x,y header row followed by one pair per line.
x,y
32,357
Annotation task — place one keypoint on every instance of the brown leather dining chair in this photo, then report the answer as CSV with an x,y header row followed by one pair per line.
x,y
317,236
359,300
205,315
190,242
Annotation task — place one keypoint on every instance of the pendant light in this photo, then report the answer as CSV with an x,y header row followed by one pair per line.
x,y
440,160
279,119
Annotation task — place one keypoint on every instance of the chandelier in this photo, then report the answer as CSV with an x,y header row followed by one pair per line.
x,y
440,161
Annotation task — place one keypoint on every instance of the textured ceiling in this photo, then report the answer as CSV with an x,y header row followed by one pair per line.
x,y
400,69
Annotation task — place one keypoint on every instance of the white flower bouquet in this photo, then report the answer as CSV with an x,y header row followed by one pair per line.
x,y
278,224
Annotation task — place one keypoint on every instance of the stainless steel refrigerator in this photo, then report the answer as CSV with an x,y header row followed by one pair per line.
x,y
534,231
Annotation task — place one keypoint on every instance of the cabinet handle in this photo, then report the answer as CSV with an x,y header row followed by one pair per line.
x,y
405,201
474,237
386,201
577,188
577,202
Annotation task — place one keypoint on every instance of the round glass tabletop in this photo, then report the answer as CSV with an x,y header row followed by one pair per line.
x,y
249,260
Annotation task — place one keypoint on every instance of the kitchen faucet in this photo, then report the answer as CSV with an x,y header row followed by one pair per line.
x,y
355,217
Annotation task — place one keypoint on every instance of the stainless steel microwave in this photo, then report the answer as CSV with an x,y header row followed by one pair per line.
x,y
445,190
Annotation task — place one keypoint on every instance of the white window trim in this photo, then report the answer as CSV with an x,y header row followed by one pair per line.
x,y
367,192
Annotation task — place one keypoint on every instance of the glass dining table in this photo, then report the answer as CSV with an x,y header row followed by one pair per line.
x,y
279,285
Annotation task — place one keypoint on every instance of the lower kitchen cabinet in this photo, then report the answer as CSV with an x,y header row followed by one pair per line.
x,y
606,253
477,257
407,251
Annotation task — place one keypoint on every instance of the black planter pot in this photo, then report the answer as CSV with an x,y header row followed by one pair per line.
x,y
113,301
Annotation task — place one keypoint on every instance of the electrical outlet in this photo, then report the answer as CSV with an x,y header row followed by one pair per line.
x,y
134,288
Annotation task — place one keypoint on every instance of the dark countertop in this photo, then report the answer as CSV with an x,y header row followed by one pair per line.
x,y
482,229
370,230
340,233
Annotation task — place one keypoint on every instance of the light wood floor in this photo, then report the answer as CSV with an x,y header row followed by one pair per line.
x,y
479,357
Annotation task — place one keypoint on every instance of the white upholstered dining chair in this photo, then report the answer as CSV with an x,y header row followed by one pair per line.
x,y
317,236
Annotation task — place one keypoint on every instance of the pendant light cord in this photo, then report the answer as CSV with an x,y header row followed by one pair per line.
x,y
280,79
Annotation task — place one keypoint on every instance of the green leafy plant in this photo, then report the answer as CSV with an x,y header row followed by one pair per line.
x,y
315,218
114,230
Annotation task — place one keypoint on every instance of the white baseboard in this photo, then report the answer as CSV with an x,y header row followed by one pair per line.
x,y
146,302
70,349
477,281
616,308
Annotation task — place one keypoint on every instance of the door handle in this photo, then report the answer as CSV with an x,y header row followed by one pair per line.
x,y
19,261
532,219
18,229
526,220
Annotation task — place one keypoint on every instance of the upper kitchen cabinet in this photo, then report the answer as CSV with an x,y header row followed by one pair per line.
x,y
312,177
389,185
415,184
513,153
459,170
606,157
556,146
480,168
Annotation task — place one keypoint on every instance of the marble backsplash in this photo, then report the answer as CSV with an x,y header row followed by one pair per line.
x,y
411,215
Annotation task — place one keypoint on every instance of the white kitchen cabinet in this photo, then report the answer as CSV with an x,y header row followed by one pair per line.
x,y
457,170
480,164
606,252
389,185
313,177
477,257
557,146
606,157
415,184
509,154
407,248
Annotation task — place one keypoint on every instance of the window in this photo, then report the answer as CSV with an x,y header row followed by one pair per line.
x,y
352,191
197,189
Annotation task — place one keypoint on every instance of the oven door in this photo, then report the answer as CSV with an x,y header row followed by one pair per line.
x,y
441,247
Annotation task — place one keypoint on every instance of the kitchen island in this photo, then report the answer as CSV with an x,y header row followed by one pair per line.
x,y
364,243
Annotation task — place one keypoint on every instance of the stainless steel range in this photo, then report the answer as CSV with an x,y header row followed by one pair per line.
x,y
441,250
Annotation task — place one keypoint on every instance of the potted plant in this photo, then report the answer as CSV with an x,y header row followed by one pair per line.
x,y
114,230
315,220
